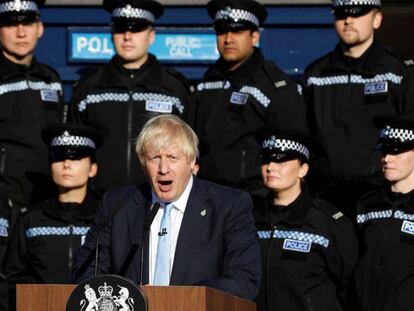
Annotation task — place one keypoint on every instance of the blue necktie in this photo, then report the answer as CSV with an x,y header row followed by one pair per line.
x,y
162,263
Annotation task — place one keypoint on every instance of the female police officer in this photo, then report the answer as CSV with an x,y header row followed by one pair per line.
x,y
385,273
42,249
309,248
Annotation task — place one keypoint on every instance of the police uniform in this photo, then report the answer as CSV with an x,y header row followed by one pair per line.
x,y
30,98
384,274
343,95
47,235
233,106
309,248
118,101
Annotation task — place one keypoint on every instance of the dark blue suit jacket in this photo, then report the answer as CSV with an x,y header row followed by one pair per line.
x,y
215,248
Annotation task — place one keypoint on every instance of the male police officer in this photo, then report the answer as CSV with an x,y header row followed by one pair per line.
x,y
30,98
240,94
345,89
118,98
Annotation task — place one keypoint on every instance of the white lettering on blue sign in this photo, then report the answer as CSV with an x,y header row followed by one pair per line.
x,y
297,246
158,106
49,96
94,45
408,227
239,98
376,88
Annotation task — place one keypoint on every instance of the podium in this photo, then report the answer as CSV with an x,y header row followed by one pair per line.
x,y
50,297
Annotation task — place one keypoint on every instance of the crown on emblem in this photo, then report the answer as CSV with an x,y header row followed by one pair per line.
x,y
105,291
65,137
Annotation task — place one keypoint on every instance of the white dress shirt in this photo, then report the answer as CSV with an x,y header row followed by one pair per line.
x,y
177,214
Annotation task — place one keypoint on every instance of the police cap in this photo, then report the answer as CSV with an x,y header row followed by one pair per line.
x,y
71,141
19,11
280,146
132,15
396,133
234,15
355,8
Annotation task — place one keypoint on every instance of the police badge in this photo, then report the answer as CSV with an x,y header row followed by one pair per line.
x,y
128,296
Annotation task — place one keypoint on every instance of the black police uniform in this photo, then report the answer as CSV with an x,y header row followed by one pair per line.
x,y
231,110
118,101
46,240
30,99
384,276
309,250
343,94
233,106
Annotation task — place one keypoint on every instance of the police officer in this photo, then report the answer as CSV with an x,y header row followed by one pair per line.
x,y
344,90
47,236
240,94
119,97
384,277
30,98
309,248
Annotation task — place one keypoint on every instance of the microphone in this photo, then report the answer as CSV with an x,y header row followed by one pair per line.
x,y
134,247
151,215
104,223
147,226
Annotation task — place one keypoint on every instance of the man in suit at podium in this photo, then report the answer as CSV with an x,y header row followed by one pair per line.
x,y
202,233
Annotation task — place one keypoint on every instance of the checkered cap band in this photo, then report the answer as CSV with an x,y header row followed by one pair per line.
x,y
338,3
294,235
403,135
71,140
236,15
285,145
129,12
18,6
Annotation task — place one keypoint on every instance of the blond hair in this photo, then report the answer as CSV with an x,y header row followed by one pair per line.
x,y
162,131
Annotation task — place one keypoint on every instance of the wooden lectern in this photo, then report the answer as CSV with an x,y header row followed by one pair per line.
x,y
48,297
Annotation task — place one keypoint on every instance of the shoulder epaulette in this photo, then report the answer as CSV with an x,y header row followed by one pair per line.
x,y
275,74
409,62
328,209
178,75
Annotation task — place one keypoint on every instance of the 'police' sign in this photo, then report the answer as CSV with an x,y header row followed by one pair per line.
x,y
297,246
408,227
192,45
91,46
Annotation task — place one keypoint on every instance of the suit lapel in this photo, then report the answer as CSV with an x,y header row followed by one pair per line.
x,y
192,222
137,236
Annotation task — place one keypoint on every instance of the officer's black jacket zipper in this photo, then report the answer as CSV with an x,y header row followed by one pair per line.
x,y
267,262
243,165
70,251
129,130
3,156
309,302
383,252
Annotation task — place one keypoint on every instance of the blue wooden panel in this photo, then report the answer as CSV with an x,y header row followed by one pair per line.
x,y
293,36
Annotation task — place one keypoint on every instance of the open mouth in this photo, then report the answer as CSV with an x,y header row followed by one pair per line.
x,y
165,185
